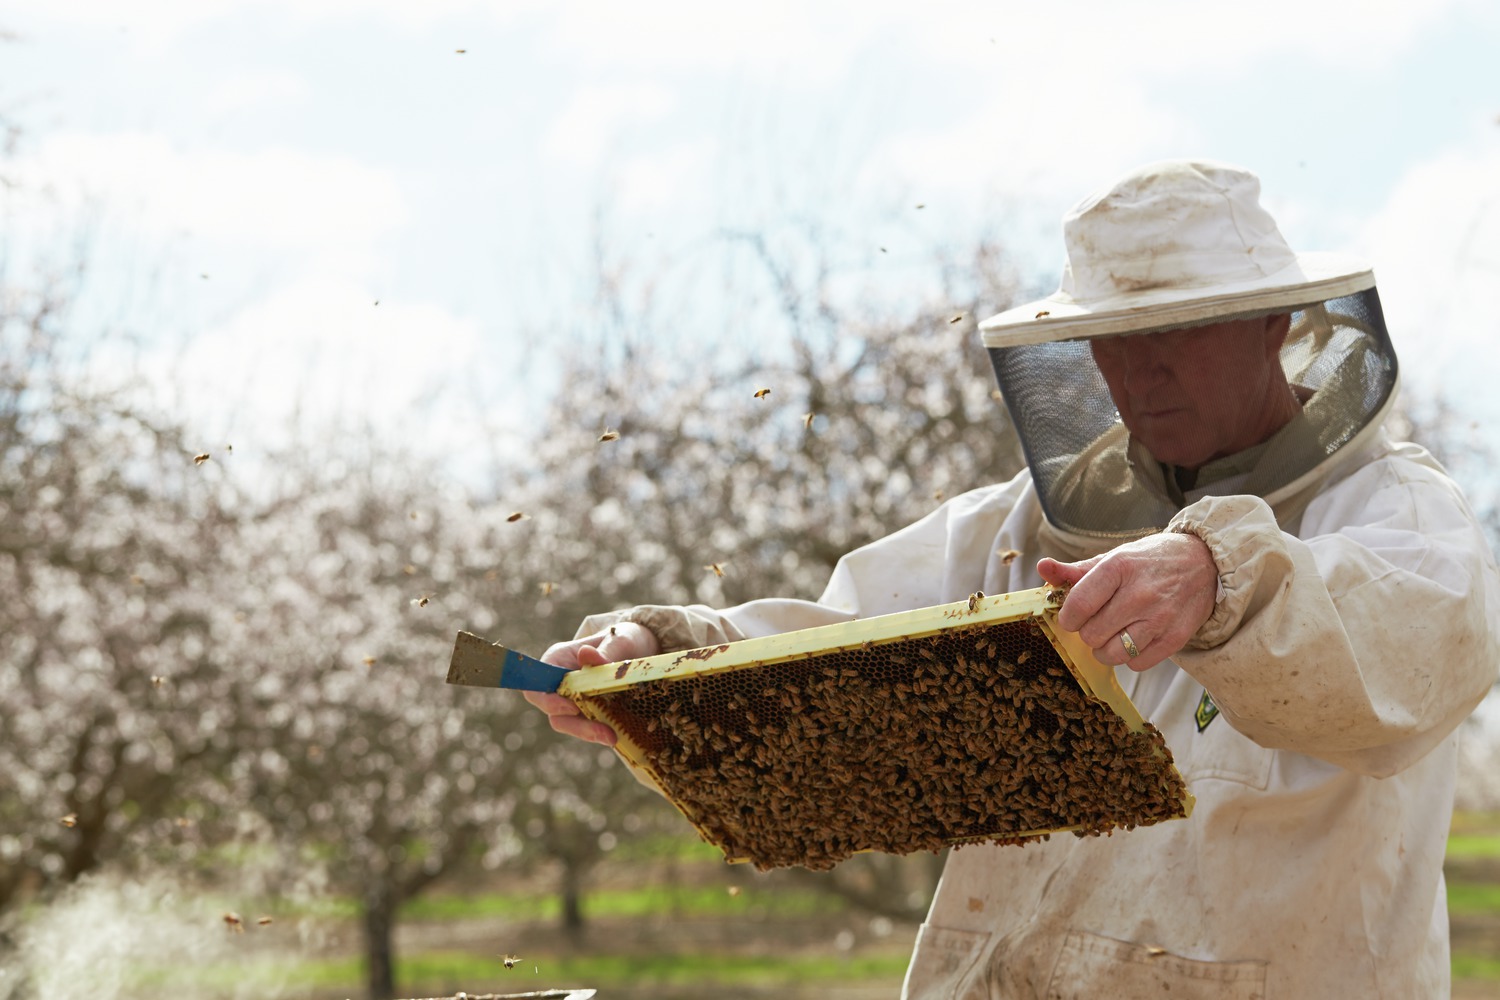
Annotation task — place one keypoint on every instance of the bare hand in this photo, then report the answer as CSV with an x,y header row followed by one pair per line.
x,y
1158,590
625,641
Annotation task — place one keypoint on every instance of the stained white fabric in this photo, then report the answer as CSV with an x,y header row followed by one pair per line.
x,y
1351,639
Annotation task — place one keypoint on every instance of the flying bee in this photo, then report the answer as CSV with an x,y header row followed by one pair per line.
x,y
1008,556
200,458
807,420
368,661
420,602
409,569
511,960
157,680
547,586
733,890
609,435
517,516
762,393
234,923
717,568
263,921
957,318
70,820
937,495
1044,312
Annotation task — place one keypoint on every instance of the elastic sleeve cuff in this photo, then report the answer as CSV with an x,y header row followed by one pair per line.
x,y
1242,536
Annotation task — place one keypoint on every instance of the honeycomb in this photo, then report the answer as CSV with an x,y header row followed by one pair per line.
x,y
971,734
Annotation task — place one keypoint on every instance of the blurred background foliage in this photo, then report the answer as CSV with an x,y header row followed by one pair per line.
x,y
222,660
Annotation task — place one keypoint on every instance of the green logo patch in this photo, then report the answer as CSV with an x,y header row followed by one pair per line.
x,y
1207,712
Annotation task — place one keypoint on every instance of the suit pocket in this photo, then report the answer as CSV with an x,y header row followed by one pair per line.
x,y
943,958
1091,966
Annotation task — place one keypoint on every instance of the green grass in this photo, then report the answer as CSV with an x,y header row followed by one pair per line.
x,y
1474,845
1475,967
698,901
1473,898
442,969
648,969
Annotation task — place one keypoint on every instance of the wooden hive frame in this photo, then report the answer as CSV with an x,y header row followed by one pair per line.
x,y
979,720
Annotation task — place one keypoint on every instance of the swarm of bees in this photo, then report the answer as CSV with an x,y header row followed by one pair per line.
x,y
978,733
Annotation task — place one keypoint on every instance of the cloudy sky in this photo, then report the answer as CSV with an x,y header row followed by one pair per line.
x,y
249,179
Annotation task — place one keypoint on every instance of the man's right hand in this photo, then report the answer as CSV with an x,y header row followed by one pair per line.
x,y
625,641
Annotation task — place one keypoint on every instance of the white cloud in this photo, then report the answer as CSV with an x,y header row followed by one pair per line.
x,y
319,353
279,198
239,93
676,177
1435,246
596,115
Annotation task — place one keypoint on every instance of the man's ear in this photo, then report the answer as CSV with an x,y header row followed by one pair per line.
x,y
1277,328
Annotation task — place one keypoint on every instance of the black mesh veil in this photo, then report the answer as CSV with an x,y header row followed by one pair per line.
x,y
1090,479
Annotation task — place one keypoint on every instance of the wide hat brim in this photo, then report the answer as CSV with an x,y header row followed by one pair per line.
x,y
1311,278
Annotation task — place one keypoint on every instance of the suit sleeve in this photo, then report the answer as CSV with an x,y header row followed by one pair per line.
x,y
1365,641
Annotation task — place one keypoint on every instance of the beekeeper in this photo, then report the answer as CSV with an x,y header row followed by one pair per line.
x,y
1305,608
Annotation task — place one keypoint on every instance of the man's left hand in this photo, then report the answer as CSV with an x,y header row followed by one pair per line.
x,y
1155,592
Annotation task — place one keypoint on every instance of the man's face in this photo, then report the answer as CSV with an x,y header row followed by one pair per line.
x,y
1194,395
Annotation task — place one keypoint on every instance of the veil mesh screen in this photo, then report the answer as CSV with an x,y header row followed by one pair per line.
x,y
1070,431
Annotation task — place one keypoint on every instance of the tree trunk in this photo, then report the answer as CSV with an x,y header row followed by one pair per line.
x,y
380,918
572,900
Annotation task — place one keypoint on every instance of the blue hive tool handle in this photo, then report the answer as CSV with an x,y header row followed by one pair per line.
x,y
478,663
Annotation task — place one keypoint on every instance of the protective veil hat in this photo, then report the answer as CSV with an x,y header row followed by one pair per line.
x,y
1172,244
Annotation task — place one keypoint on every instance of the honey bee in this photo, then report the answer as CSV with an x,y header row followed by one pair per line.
x,y
511,960
1008,556
70,820
974,600
762,393
200,458
609,435
517,516
716,568
1025,655
234,923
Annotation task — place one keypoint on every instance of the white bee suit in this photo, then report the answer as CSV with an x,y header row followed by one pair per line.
x,y
1347,645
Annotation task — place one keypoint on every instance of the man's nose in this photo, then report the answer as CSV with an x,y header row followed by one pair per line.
x,y
1145,363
